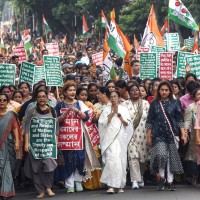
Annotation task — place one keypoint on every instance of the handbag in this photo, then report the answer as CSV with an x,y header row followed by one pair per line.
x,y
60,159
176,138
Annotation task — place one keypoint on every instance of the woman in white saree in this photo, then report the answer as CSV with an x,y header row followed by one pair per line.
x,y
115,129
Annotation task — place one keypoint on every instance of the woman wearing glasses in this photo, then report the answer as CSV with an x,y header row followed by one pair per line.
x,y
9,146
42,169
115,129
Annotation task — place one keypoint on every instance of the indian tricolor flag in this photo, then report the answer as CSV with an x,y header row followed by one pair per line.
x,y
46,27
117,40
109,71
152,36
181,15
85,26
196,45
165,27
136,43
104,21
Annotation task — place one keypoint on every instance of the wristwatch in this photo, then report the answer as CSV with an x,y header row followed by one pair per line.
x,y
119,115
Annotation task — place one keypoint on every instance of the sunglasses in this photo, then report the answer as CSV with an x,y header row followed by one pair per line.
x,y
3,100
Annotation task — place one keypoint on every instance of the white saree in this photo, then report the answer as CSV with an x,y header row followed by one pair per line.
x,y
114,140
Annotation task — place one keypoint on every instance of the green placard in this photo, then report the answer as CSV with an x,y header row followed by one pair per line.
x,y
148,65
26,72
52,71
173,43
43,138
158,49
39,74
7,74
194,62
189,42
181,62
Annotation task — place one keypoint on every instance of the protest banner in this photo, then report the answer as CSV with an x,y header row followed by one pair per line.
x,y
181,62
173,43
92,129
97,58
157,49
166,66
71,132
43,138
189,43
194,62
39,74
7,74
26,72
52,48
141,50
53,71
21,52
148,65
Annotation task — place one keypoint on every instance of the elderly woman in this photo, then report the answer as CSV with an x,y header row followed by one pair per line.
x,y
115,129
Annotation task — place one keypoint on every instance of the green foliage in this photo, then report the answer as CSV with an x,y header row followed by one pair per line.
x,y
60,14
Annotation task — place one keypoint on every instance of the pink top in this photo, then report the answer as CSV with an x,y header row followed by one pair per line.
x,y
186,100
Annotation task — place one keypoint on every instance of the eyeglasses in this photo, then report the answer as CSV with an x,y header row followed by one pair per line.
x,y
3,100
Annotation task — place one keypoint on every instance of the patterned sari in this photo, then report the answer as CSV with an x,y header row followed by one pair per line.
x,y
7,154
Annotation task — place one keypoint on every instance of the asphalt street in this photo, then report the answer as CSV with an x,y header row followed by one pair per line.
x,y
183,192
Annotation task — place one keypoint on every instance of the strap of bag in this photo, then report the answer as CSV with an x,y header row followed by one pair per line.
x,y
168,121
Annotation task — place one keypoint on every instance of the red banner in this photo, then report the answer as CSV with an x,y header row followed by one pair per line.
x,y
97,58
71,132
166,66
52,48
92,129
141,50
21,52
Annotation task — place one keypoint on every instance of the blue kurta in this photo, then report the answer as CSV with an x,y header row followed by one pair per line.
x,y
74,159
163,143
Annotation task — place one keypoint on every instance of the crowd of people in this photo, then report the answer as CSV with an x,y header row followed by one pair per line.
x,y
143,126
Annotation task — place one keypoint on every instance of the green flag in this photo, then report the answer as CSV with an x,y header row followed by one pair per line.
x,y
181,15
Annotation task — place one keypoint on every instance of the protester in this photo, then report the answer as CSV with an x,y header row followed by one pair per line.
x,y
137,148
91,164
18,96
110,84
115,129
74,159
9,145
191,155
26,89
41,170
164,121
11,105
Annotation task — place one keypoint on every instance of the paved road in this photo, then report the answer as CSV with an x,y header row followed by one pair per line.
x,y
182,192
